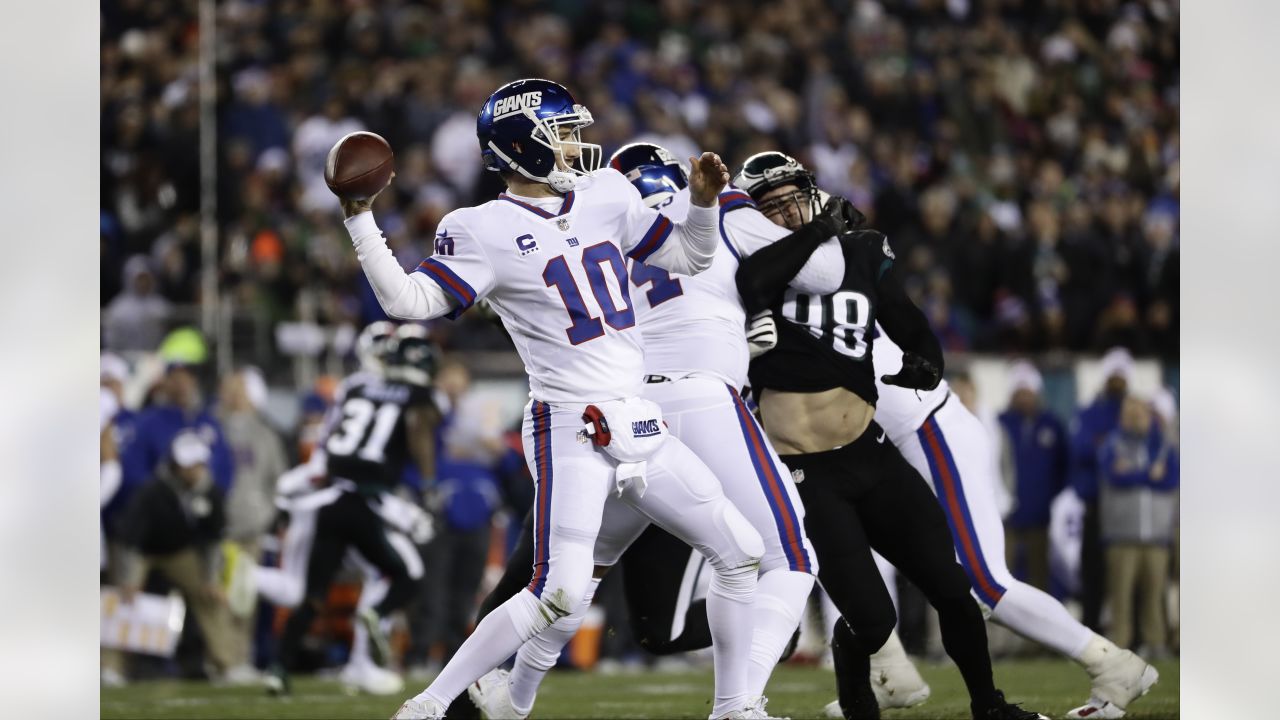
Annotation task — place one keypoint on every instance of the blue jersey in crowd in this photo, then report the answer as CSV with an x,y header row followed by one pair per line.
x,y
1037,447
1090,427
1139,460
153,433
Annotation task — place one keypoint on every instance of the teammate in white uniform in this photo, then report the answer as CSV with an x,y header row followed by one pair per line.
x,y
550,260
696,354
951,449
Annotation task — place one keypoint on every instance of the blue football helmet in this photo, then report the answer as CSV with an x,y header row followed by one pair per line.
x,y
655,172
520,129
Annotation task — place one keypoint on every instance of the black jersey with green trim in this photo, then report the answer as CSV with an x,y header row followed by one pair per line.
x,y
368,441
825,341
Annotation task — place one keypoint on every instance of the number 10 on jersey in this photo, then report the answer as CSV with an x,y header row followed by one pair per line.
x,y
587,326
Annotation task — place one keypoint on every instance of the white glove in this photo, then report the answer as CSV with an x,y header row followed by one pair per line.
x,y
762,334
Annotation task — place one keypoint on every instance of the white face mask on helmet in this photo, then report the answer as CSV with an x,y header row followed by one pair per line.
x,y
519,128
547,133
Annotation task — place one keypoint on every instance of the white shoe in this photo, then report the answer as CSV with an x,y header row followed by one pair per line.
x,y
379,645
755,711
492,695
898,685
832,710
113,678
415,709
371,679
1120,681
240,676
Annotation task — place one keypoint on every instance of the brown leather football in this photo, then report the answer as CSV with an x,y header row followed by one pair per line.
x,y
359,165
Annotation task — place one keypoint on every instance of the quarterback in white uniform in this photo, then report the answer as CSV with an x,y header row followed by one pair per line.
x,y
696,356
951,449
550,258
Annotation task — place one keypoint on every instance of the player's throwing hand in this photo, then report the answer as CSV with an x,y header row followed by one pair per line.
x,y
707,178
351,208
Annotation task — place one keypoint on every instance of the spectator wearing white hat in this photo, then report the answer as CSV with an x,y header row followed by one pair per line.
x,y
1089,428
1034,463
173,524
114,373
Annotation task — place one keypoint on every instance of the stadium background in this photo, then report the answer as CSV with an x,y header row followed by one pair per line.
x,y
1022,156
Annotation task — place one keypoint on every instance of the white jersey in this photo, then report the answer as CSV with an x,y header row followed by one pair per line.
x,y
899,411
553,270
697,324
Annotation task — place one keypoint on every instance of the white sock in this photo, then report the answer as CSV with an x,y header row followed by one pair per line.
x,y
730,616
1098,651
498,635
371,594
891,653
1035,614
277,587
780,599
539,654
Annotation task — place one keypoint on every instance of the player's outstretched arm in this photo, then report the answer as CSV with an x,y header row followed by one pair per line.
x,y
412,297
922,363
686,247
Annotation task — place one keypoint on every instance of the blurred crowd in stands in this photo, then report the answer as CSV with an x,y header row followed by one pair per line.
x,y
1022,155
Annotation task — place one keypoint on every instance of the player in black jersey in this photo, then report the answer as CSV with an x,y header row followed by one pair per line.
x,y
817,396
380,422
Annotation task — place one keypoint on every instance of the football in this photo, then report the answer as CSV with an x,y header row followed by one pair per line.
x,y
359,165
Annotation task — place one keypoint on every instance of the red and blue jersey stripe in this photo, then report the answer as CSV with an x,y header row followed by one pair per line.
x,y
946,479
541,413
790,528
733,198
653,238
452,283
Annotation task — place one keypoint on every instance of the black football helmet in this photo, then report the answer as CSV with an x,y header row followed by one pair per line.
x,y
412,357
371,345
767,171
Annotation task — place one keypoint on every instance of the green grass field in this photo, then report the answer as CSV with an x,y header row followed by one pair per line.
x,y
1049,686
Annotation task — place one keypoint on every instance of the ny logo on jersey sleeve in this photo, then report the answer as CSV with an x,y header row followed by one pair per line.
x,y
444,243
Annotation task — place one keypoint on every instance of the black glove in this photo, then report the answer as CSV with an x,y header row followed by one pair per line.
x,y
916,374
849,217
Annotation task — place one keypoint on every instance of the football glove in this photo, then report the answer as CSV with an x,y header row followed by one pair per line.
x,y
848,216
916,374
762,334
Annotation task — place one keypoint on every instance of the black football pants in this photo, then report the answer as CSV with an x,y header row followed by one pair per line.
x,y
865,496
346,522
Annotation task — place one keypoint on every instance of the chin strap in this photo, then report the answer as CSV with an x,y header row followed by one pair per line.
x,y
560,181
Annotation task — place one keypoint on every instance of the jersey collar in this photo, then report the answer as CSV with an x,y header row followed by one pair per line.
x,y
565,205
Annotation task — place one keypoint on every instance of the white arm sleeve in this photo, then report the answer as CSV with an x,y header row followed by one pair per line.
x,y
694,243
686,247
412,296
748,230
